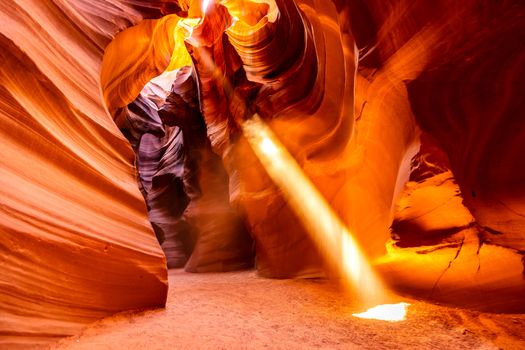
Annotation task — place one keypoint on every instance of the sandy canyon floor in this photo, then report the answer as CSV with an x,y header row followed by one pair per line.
x,y
242,311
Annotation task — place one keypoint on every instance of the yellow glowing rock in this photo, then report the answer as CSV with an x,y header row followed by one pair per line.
x,y
333,239
138,54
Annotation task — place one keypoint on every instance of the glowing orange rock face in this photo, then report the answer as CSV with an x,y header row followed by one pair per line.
x,y
76,243
361,168
460,244
243,73
149,48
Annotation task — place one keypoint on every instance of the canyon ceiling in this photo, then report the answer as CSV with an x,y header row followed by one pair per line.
x,y
406,115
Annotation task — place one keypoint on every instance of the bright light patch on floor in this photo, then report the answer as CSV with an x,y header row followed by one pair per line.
x,y
386,312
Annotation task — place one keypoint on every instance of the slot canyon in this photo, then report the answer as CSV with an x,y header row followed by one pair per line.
x,y
246,174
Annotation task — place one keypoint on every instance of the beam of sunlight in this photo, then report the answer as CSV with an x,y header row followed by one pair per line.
x,y
335,241
386,312
332,237
205,4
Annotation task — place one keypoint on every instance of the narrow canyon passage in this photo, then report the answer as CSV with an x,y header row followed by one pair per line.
x,y
262,174
238,310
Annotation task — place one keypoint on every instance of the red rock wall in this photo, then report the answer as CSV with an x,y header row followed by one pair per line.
x,y
461,229
420,65
75,243
366,95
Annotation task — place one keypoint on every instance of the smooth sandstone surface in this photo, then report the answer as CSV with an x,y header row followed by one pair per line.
x,y
75,243
405,115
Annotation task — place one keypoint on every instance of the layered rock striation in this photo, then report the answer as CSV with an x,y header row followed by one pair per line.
x,y
404,114
75,242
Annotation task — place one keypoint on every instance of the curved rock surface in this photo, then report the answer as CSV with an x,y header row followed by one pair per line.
x,y
221,240
183,182
75,243
453,61
408,58
404,114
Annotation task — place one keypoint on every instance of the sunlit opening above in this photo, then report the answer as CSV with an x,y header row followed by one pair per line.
x,y
205,4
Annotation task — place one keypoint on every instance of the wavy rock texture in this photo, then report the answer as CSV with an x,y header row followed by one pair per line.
x,y
431,96
183,182
222,242
159,153
75,243
305,44
470,230
409,57
248,75
254,61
